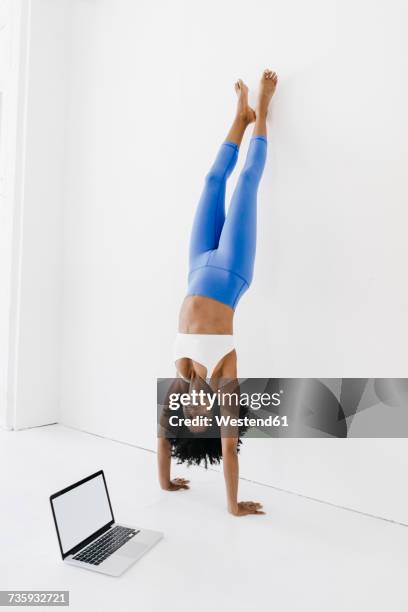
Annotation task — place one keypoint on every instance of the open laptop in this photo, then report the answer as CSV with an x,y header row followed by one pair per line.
x,y
87,533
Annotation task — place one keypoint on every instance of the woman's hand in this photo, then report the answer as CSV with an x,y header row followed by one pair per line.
x,y
246,507
176,484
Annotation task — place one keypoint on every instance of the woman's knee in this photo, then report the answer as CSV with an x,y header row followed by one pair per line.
x,y
250,175
214,177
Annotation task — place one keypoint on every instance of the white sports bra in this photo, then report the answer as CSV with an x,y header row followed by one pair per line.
x,y
205,349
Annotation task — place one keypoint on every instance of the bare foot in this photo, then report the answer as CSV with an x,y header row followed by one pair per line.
x,y
244,111
267,88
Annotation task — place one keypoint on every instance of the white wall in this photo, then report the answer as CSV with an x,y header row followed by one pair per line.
x,y
149,100
10,20
34,388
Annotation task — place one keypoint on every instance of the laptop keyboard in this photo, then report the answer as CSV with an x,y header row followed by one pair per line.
x,y
106,545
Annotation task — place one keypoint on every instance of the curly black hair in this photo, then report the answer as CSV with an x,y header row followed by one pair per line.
x,y
195,448
193,451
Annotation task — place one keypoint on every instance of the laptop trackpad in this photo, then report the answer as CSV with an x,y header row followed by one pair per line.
x,y
132,549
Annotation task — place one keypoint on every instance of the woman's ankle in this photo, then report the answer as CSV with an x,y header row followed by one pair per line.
x,y
261,112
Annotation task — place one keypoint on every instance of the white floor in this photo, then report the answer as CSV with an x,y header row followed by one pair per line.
x,y
301,556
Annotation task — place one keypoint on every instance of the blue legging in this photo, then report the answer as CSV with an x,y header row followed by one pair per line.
x,y
222,249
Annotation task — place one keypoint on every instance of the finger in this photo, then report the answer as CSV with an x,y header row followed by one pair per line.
x,y
251,508
176,486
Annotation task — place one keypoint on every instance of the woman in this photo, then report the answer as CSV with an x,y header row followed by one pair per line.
x,y
222,253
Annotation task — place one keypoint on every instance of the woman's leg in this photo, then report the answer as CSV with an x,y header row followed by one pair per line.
x,y
210,215
237,244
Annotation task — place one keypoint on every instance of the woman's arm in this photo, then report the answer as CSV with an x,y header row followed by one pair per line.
x,y
164,466
164,446
231,472
231,475
164,462
229,444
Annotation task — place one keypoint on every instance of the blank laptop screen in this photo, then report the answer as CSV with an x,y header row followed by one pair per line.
x,y
81,511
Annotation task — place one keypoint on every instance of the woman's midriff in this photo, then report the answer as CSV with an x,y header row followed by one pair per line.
x,y
202,315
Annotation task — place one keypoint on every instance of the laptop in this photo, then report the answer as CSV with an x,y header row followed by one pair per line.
x,y
87,533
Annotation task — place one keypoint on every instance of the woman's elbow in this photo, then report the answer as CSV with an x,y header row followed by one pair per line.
x,y
229,447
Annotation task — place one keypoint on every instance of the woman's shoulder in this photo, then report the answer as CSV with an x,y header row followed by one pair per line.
x,y
228,367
